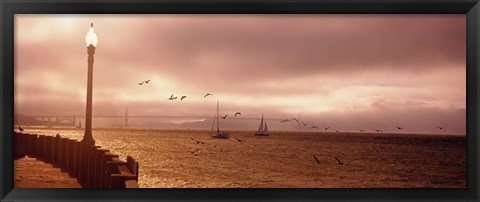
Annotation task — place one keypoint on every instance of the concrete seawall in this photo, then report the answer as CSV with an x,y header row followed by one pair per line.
x,y
92,166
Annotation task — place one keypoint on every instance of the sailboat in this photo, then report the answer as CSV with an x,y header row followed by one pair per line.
x,y
263,129
218,134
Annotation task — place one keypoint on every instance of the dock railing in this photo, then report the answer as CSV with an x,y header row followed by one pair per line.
x,y
92,166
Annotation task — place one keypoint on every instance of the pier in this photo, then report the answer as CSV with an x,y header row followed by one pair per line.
x,y
92,166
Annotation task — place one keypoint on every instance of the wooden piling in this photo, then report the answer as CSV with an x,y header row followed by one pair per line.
x,y
98,168
105,179
20,145
93,166
57,152
42,147
92,151
83,164
51,149
77,159
69,155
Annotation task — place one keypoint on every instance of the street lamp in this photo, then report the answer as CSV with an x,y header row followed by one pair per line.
x,y
91,41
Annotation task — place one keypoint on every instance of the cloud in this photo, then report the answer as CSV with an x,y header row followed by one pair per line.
x,y
281,64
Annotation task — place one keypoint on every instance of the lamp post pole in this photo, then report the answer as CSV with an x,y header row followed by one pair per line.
x,y
91,43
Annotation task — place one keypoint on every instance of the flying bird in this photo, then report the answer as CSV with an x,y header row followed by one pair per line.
x,y
141,83
304,124
294,119
147,81
378,131
441,128
172,98
207,95
326,128
337,131
183,97
198,142
361,130
239,140
20,128
399,128
238,113
339,162
224,117
194,152
316,159
315,127
284,120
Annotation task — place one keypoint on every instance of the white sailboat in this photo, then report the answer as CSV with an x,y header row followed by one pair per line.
x,y
218,134
263,129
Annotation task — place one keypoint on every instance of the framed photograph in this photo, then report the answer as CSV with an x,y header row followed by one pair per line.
x,y
245,101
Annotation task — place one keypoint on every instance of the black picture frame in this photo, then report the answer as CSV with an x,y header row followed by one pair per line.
x,y
8,8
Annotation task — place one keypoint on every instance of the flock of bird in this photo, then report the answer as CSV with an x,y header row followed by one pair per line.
x,y
184,96
328,127
336,158
146,82
196,151
172,97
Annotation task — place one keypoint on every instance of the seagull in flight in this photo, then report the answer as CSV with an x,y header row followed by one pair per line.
x,y
441,128
378,131
141,83
207,95
194,152
326,128
315,127
339,162
239,140
183,97
224,117
147,81
399,128
284,120
361,130
294,119
172,98
198,142
20,128
238,113
316,159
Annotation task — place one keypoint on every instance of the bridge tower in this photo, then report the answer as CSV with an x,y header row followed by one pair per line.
x,y
126,118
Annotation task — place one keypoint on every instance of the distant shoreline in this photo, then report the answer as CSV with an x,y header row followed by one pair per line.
x,y
240,130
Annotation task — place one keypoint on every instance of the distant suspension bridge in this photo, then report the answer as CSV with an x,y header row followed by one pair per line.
x,y
71,120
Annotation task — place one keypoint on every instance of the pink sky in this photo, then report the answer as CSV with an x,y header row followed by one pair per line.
x,y
348,71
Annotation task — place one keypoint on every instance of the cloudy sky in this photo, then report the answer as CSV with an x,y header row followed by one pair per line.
x,y
348,71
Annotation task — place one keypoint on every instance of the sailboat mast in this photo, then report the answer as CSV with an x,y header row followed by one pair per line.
x,y
265,129
218,123
213,124
260,129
